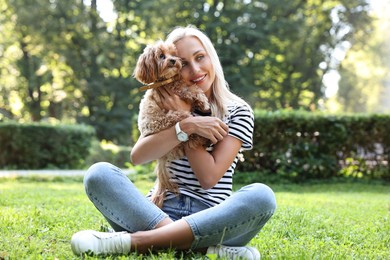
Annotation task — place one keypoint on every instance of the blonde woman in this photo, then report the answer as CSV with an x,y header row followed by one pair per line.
x,y
206,216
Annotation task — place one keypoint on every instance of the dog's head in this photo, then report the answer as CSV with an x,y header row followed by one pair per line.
x,y
157,62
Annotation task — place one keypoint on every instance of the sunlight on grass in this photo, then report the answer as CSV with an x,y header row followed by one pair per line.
x,y
322,221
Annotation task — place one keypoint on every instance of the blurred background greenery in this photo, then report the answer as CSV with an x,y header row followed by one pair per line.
x,y
72,61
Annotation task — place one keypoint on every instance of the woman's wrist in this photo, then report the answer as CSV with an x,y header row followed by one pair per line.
x,y
187,126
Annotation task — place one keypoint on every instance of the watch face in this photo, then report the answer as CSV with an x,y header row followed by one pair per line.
x,y
182,136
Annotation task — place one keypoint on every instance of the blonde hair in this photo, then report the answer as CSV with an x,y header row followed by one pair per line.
x,y
221,94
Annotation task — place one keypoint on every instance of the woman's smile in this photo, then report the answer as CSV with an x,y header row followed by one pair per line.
x,y
199,79
197,66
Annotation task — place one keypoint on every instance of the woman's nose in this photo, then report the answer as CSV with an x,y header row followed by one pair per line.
x,y
194,68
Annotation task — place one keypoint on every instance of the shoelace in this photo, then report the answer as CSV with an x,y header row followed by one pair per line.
x,y
110,244
229,251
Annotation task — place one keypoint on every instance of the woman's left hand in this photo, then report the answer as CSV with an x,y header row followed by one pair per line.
x,y
171,101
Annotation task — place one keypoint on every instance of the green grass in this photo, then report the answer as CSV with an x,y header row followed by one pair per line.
x,y
38,216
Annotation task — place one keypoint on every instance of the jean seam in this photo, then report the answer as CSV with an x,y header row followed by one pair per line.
x,y
108,213
122,223
198,237
122,212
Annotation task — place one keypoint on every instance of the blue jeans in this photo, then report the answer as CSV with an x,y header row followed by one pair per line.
x,y
234,222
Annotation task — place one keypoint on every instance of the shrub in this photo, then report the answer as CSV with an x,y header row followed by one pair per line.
x,y
40,145
109,152
303,145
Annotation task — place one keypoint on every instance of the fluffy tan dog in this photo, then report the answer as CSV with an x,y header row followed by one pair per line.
x,y
159,66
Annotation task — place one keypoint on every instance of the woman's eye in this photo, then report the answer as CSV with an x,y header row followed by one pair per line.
x,y
183,64
162,56
200,57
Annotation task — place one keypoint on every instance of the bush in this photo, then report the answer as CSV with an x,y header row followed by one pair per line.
x,y
303,145
42,146
108,152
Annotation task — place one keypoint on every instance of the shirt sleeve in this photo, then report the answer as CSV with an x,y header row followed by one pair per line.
x,y
241,125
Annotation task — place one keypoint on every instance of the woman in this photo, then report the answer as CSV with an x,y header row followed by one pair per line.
x,y
206,216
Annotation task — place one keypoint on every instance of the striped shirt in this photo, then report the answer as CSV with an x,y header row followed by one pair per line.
x,y
240,120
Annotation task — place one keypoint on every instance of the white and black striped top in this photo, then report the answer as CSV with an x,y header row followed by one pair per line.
x,y
240,120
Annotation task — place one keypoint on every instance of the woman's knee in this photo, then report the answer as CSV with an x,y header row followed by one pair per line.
x,y
262,196
97,173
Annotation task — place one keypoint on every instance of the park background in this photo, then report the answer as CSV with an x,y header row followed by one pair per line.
x,y
72,61
315,72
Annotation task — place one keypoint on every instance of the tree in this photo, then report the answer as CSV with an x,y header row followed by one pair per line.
x,y
32,75
73,48
271,51
7,59
63,60
364,69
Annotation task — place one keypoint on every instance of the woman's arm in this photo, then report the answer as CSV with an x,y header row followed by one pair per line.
x,y
152,147
155,146
210,167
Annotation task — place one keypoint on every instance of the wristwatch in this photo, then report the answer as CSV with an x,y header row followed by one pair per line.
x,y
181,136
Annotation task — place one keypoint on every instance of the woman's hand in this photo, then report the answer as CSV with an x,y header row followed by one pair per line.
x,y
209,127
157,145
171,101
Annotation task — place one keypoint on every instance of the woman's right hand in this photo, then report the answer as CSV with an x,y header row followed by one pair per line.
x,y
209,127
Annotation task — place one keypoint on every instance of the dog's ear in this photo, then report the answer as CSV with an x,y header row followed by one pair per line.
x,y
146,69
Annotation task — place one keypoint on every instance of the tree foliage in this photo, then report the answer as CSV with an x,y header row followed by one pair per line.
x,y
364,70
60,59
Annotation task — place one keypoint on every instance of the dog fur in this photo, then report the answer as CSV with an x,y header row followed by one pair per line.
x,y
157,63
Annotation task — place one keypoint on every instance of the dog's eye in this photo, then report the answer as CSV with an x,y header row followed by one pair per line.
x,y
162,56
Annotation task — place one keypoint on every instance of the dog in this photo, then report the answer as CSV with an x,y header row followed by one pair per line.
x,y
158,66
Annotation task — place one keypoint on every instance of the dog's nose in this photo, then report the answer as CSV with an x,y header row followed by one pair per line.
x,y
172,61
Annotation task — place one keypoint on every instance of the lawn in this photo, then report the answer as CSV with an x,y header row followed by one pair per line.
x,y
313,221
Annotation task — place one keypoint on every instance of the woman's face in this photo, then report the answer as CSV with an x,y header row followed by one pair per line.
x,y
197,68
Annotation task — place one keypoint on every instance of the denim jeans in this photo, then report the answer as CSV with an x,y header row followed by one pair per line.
x,y
233,222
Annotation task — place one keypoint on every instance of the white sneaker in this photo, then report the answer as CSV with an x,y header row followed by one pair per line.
x,y
100,243
233,253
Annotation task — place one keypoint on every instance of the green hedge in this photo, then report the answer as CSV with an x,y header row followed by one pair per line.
x,y
101,152
303,145
42,146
